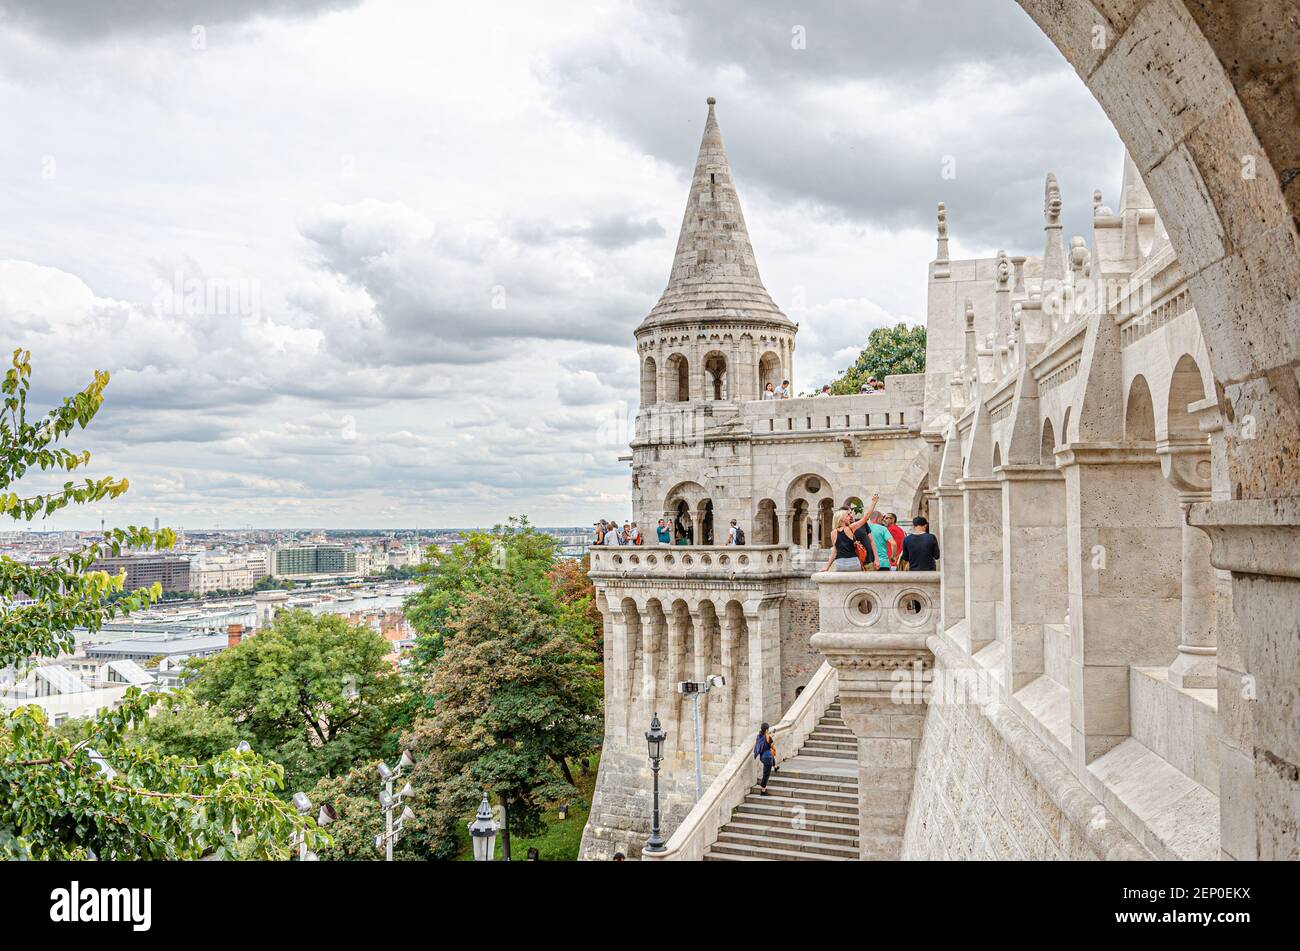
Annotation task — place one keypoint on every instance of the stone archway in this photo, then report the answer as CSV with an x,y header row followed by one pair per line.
x,y
1203,96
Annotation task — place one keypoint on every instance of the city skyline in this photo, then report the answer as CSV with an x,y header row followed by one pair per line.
x,y
369,272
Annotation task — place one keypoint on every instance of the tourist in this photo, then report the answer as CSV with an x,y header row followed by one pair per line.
x,y
884,542
920,549
896,533
619,857
635,538
765,753
769,392
601,527
735,534
825,390
612,536
664,533
785,389
863,537
683,533
846,556
627,534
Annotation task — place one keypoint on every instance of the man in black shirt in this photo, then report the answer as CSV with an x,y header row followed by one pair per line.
x,y
920,549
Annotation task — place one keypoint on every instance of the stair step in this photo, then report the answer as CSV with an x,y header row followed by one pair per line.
x,y
844,807
834,729
782,810
813,782
779,832
823,742
727,839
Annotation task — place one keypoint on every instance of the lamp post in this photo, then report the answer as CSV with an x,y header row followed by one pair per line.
x,y
654,739
323,818
483,832
388,802
696,689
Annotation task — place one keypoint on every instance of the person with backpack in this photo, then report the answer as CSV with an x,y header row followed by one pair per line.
x,y
736,534
765,753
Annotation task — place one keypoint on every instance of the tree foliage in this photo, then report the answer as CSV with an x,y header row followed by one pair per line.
x,y
313,692
889,350
514,694
515,550
73,794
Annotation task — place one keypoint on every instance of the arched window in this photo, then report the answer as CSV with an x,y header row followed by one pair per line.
x,y
769,371
1185,388
1047,449
1139,414
649,382
677,379
716,382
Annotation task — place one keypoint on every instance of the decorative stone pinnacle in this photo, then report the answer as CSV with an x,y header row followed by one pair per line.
x,y
970,316
711,101
1004,270
1052,200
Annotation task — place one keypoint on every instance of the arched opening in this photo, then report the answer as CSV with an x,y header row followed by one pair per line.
x,y
706,522
854,505
769,371
649,382
825,518
800,527
1047,448
1139,413
677,379
1185,388
767,528
716,381
683,524
921,500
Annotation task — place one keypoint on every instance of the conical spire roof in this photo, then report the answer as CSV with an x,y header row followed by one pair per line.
x,y
714,273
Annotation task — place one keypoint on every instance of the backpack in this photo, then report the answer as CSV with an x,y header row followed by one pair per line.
x,y
740,535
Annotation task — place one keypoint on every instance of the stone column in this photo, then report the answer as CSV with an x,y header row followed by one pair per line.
x,y
676,673
1187,467
1035,589
1125,575
983,543
651,645
764,661
783,527
1255,539
618,663
888,718
730,640
700,661
952,547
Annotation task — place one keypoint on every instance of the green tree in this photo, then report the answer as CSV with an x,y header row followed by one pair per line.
x,y
183,727
515,551
514,695
74,793
889,350
313,692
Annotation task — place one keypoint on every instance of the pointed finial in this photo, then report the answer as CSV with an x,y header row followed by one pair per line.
x,y
970,317
1052,200
1004,270
943,220
711,101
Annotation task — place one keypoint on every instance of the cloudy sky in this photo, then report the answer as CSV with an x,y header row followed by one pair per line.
x,y
362,263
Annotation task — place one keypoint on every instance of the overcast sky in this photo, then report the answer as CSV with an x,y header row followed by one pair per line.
x,y
377,263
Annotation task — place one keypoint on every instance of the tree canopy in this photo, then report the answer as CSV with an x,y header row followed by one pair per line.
x,y
889,350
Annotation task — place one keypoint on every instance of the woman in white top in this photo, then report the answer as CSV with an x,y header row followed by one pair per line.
x,y
769,392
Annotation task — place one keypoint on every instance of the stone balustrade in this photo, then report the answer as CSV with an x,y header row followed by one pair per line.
x,y
705,562
700,828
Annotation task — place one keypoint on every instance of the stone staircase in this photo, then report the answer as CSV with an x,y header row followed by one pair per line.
x,y
810,812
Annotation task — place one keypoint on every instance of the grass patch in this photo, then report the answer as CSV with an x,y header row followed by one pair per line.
x,y
560,841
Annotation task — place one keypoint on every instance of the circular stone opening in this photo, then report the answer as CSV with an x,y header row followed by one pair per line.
x,y
913,608
863,608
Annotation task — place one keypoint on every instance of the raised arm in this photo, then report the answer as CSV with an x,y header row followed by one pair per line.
x,y
865,515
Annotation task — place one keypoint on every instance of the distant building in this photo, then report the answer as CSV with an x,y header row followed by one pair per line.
x,y
172,572
290,561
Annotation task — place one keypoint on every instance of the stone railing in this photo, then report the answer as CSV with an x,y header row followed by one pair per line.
x,y
883,409
879,602
700,828
722,562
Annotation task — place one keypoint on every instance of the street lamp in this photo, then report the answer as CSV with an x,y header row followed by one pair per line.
x,y
390,802
483,832
696,689
303,805
654,739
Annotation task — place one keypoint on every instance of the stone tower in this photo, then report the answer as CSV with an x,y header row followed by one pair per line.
x,y
714,340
